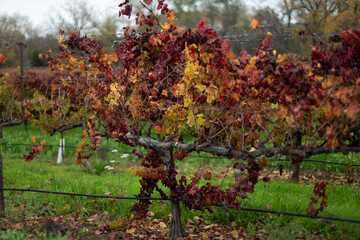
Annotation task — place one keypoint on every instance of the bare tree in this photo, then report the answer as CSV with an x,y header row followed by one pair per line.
x,y
289,8
16,26
311,13
13,29
74,16
107,31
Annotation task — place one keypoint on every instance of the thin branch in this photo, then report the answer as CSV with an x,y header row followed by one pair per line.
x,y
66,127
11,124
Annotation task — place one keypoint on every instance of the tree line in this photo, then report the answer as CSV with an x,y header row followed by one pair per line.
x,y
298,24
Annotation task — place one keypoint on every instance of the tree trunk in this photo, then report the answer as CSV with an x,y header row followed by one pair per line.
x,y
296,161
176,229
295,177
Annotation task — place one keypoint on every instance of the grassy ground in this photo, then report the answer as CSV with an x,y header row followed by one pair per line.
x,y
43,173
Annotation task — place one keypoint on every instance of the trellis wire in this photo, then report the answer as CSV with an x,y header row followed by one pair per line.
x,y
169,199
196,156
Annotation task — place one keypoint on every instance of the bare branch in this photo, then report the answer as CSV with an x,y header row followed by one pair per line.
x,y
303,152
66,127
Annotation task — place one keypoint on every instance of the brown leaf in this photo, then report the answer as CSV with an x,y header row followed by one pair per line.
x,y
162,225
210,226
207,175
131,230
266,179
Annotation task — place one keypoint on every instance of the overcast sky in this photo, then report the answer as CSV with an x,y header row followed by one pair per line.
x,y
39,10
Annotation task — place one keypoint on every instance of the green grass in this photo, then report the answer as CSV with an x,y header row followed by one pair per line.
x,y
21,235
344,201
18,135
43,173
68,178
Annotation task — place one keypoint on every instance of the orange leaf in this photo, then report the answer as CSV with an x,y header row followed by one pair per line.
x,y
351,111
254,23
34,139
140,19
158,129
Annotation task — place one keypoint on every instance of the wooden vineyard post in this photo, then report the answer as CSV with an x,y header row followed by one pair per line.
x,y
22,46
61,152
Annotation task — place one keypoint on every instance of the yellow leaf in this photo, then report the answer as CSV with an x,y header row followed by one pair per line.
x,y
200,86
62,38
34,139
156,41
187,101
191,119
200,119
281,58
73,61
318,78
205,236
131,230
274,106
212,94
166,26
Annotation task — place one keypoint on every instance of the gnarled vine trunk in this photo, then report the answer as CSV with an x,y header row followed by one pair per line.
x,y
296,161
176,229
295,177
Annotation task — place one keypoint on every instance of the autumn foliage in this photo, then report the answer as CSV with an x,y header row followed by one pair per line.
x,y
165,84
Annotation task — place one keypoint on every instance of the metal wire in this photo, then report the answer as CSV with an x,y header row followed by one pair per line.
x,y
169,199
197,156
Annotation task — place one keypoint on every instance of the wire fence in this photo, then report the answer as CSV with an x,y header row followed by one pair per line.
x,y
242,208
243,38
